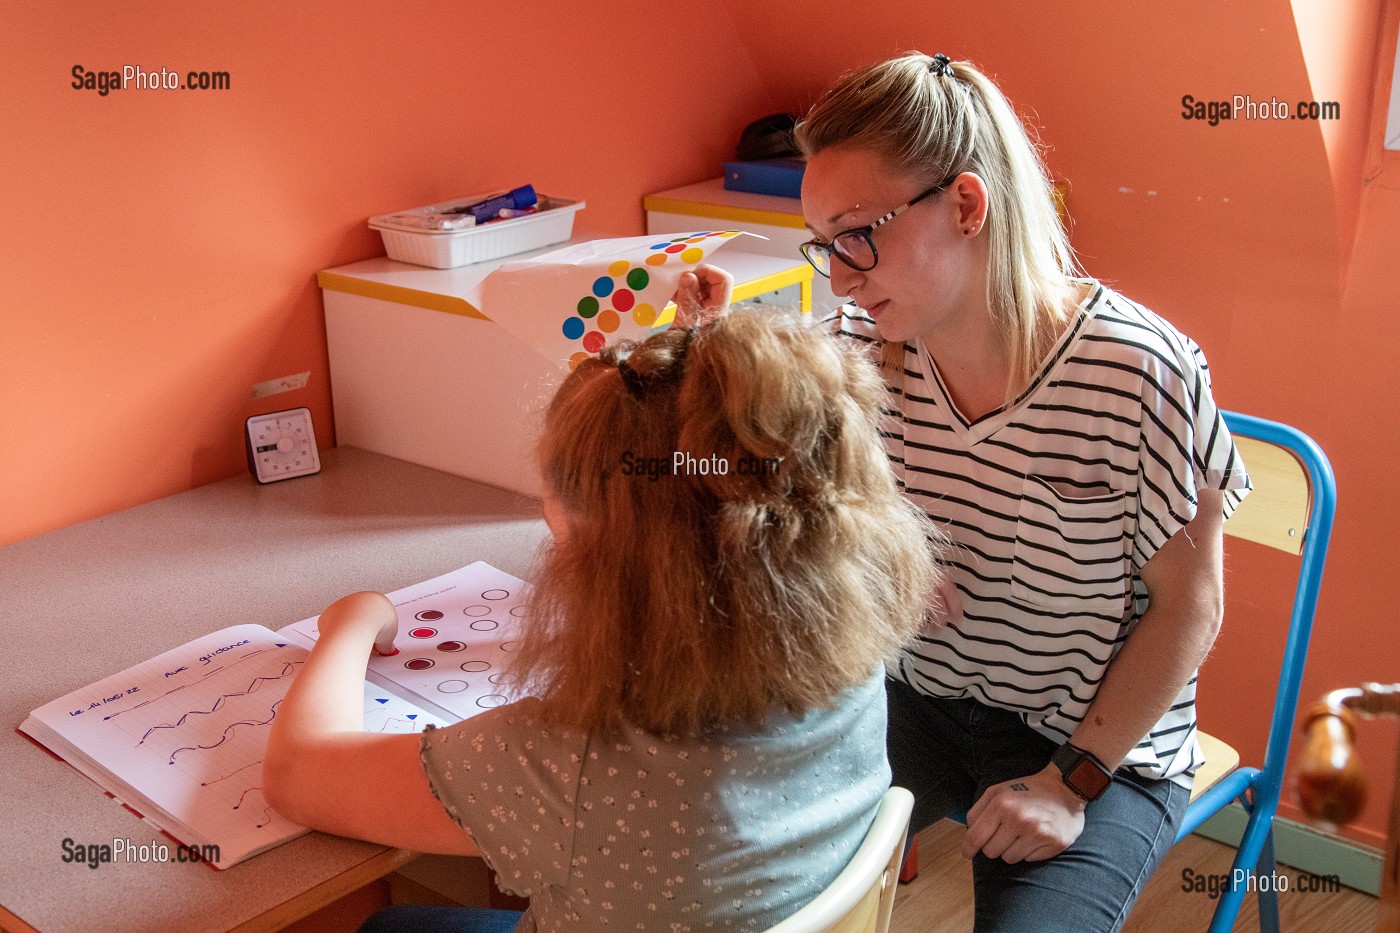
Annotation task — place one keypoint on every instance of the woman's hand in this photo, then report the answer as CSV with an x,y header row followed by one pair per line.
x,y
367,611
702,295
1029,819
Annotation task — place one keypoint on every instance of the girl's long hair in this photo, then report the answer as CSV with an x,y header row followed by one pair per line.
x,y
680,600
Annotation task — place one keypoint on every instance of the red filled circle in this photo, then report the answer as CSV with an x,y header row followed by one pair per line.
x,y
424,632
593,341
623,300
419,664
428,615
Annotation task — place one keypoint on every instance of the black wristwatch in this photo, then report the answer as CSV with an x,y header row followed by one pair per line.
x,y
1083,773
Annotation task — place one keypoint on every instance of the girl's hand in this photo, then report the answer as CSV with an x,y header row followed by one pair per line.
x,y
947,606
367,611
702,295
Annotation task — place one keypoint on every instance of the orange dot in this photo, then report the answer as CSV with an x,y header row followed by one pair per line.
x,y
656,259
607,321
696,239
577,358
618,268
644,314
693,255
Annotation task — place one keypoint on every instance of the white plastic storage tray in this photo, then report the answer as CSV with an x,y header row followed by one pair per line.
x,y
447,249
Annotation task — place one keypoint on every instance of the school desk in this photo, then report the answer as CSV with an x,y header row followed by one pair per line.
x,y
87,601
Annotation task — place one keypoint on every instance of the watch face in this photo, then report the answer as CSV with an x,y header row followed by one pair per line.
x,y
1088,780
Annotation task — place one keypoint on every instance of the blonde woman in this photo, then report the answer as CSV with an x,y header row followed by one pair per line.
x,y
703,745
1066,440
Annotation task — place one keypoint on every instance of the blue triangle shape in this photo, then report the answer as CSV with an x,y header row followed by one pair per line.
x,y
381,701
412,715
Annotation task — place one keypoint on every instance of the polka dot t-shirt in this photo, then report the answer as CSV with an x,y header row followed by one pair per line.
x,y
734,830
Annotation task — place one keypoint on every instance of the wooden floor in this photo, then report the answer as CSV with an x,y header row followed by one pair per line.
x,y
940,899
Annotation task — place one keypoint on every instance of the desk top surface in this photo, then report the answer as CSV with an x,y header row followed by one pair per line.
x,y
86,601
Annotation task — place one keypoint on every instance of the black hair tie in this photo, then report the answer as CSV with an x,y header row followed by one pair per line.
x,y
632,379
637,383
942,66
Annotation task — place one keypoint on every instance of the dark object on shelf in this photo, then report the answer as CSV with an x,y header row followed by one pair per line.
x,y
768,138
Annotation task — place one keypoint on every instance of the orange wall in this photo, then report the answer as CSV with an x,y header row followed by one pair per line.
x,y
1236,233
160,248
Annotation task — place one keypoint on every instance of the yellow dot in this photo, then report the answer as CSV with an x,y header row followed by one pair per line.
x,y
644,314
607,321
656,259
729,233
577,358
618,268
693,255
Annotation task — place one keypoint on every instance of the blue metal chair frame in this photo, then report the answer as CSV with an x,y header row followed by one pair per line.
x,y
1259,789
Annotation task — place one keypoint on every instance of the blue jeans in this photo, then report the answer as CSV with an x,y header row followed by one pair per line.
x,y
421,918
948,752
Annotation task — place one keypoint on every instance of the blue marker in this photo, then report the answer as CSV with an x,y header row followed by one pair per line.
x,y
491,208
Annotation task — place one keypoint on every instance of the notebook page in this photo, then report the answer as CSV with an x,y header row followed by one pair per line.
x,y
456,632
186,731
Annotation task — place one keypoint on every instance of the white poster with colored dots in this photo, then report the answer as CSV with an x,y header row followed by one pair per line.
x,y
455,636
569,303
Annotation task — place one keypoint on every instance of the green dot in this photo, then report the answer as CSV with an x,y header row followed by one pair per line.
x,y
588,306
637,279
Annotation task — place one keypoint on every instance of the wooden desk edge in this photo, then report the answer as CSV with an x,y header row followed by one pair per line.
x,y
327,892
9,923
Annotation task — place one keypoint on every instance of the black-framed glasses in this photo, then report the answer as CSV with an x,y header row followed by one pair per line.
x,y
855,247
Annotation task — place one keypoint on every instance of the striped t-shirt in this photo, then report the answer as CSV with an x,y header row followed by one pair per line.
x,y
1054,503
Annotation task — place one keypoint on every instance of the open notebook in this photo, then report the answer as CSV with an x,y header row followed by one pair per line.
x,y
179,738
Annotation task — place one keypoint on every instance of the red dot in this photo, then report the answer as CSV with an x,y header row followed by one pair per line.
x,y
419,664
423,632
675,248
593,341
623,300
429,615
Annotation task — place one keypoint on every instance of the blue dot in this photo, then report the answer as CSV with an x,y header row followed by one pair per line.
x,y
660,245
603,286
573,328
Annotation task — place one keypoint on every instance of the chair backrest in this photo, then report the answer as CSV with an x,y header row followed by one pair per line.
x,y
1291,508
861,897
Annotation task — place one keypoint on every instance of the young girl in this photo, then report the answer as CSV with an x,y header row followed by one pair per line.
x,y
1066,439
703,740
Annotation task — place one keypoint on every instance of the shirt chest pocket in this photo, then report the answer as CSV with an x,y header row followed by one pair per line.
x,y
1070,553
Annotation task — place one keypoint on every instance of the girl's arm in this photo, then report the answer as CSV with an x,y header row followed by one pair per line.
x,y
323,771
